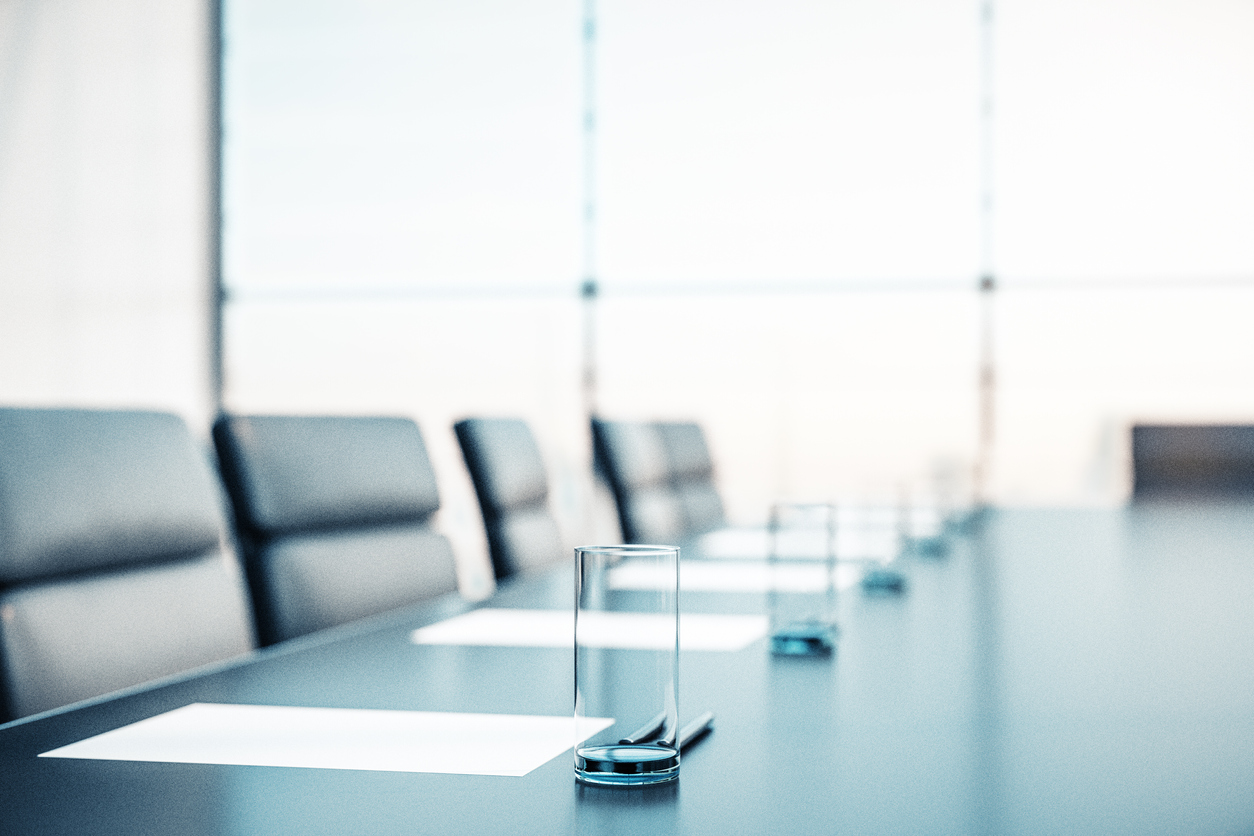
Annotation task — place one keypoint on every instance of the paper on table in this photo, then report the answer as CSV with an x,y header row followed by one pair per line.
x,y
340,738
733,576
627,630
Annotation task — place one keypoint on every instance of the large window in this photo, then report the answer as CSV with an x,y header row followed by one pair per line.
x,y
788,229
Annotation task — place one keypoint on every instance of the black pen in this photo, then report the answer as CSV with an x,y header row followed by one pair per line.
x,y
646,733
696,729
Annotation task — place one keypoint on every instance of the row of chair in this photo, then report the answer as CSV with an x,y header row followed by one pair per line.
x,y
118,565
661,475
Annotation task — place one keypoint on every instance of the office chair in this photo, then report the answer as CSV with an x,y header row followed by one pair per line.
x,y
1192,462
634,461
513,490
114,565
333,515
691,473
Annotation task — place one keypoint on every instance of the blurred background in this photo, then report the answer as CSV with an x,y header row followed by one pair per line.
x,y
792,206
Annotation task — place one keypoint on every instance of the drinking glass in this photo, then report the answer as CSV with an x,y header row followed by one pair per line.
x,y
627,667
802,593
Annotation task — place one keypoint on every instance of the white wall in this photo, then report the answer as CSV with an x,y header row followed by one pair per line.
x,y
104,263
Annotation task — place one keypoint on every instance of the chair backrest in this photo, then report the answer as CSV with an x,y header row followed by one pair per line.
x,y
333,514
634,460
114,563
513,490
1192,461
692,476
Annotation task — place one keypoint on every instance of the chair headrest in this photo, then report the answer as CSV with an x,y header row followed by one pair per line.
x,y
308,473
504,462
88,489
1200,460
632,452
686,451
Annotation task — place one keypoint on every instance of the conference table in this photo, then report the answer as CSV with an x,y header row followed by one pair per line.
x,y
1056,671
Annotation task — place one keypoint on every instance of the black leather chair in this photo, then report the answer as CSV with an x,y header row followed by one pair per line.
x,y
1191,462
114,563
333,514
634,461
513,490
692,477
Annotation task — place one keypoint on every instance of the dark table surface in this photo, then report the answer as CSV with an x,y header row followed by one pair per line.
x,y
1059,671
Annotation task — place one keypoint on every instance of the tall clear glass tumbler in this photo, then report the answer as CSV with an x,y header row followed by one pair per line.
x,y
627,666
802,596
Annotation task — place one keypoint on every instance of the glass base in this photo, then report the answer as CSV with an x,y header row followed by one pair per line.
x,y
936,546
804,639
884,581
626,765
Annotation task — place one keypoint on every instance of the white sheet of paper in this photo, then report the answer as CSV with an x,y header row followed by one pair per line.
x,y
733,576
340,738
626,630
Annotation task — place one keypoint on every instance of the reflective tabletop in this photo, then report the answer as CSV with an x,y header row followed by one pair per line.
x,y
1057,671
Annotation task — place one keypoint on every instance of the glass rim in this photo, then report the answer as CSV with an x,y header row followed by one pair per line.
x,y
628,548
